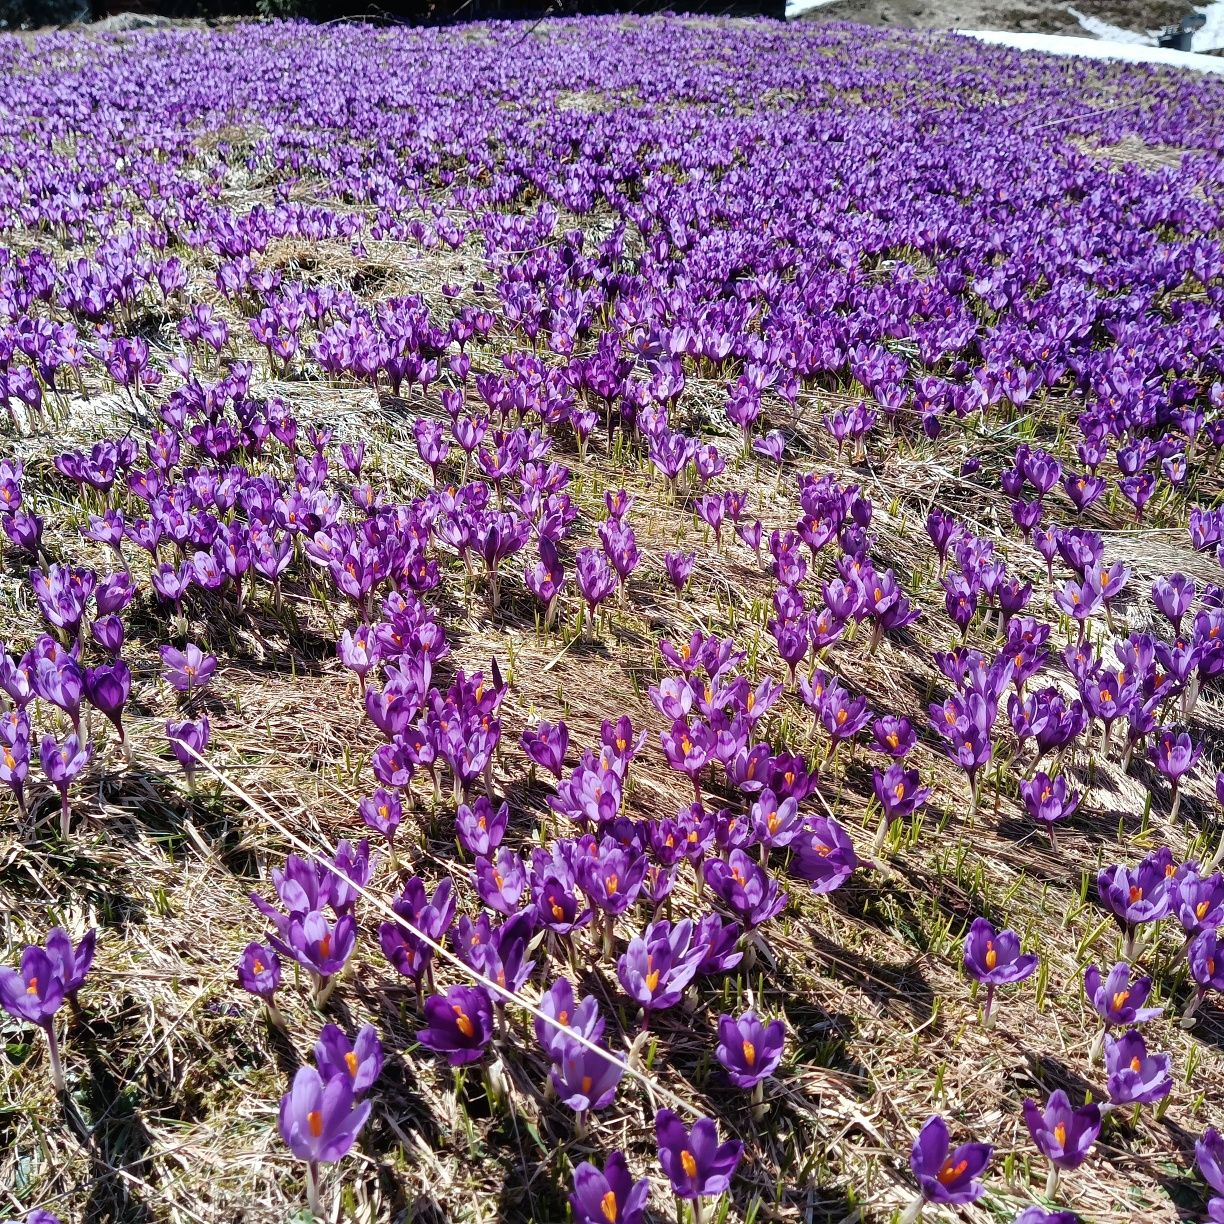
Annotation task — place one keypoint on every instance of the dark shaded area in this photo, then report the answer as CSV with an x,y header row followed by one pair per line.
x,y
135,14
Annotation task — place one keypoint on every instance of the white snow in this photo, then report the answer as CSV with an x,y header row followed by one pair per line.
x,y
1110,33
1209,38
796,8
1093,48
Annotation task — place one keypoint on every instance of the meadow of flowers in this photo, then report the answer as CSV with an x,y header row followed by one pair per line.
x,y
614,620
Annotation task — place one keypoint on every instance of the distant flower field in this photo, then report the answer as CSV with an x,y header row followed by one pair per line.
x,y
614,620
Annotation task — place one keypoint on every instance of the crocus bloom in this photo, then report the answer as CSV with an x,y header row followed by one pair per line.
x,y
824,855
1118,1000
584,1078
188,669
1039,1215
749,1050
318,945
994,959
460,1024
319,1122
696,1163
944,1175
359,1061
1048,800
36,990
1209,1156
610,1197
71,964
259,971
746,888
62,763
188,741
1133,1075
1063,1135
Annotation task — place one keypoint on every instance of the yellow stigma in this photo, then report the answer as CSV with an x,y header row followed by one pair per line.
x,y
350,1061
1119,999
314,1119
749,1052
1135,1063
992,957
608,1206
463,1021
688,1162
950,1172
1060,1134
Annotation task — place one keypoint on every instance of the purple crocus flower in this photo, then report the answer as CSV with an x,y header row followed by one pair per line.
x,y
382,811
188,669
69,963
1206,958
320,1122
557,1002
1133,1076
319,946
459,1024
62,763
585,1079
359,1061
695,1162
945,1175
1118,1000
1209,1156
480,827
679,566
1048,800
824,855
259,972
657,965
36,990
610,1197
1039,1215
1175,754
1137,895
188,740
747,889
545,744
994,959
1063,1135
748,1049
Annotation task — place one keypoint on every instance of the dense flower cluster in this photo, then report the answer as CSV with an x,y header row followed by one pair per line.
x,y
640,294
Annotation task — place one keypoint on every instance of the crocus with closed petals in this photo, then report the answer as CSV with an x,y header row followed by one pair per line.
x,y
697,1165
610,1197
188,740
1209,1156
259,973
62,762
320,1122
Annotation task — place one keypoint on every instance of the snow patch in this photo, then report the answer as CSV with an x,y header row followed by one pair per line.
x,y
796,8
1092,48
